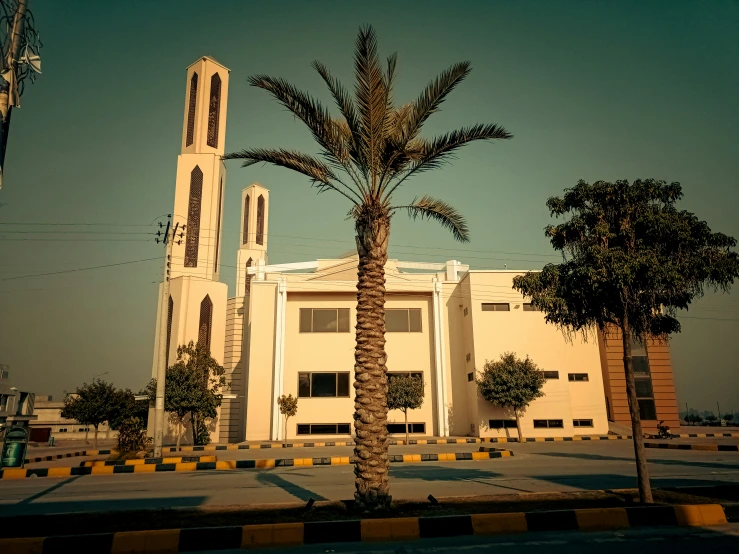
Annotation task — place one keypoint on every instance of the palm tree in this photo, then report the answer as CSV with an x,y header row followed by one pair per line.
x,y
367,154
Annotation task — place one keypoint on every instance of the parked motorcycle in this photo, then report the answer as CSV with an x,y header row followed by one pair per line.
x,y
663,431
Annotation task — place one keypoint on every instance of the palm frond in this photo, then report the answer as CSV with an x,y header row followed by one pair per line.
x,y
438,210
370,94
319,173
309,111
432,96
433,153
346,106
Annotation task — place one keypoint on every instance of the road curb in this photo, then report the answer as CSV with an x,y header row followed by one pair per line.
x,y
698,435
370,530
704,447
147,461
11,473
472,440
67,455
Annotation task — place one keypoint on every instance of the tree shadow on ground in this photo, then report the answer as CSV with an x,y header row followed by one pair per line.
x,y
291,488
660,461
441,473
609,481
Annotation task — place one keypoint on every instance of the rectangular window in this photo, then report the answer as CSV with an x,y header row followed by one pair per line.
x,y
647,409
323,385
403,320
582,422
397,428
465,311
322,320
578,377
529,307
470,376
324,429
468,357
496,307
551,375
548,424
502,423
639,357
644,388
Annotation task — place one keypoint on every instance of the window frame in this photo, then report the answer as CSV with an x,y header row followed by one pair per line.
x,y
496,305
579,423
408,319
550,372
336,432
506,424
531,307
578,377
412,426
336,383
338,320
548,423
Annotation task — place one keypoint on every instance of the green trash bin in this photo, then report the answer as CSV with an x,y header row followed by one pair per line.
x,y
14,448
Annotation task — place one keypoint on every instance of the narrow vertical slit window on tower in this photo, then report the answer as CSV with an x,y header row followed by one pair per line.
x,y
191,109
214,109
260,219
193,218
246,220
206,320
170,309
218,224
248,277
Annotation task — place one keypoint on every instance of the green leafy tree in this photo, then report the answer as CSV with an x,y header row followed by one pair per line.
x,y
132,437
192,386
511,383
711,419
368,152
93,404
631,260
405,392
288,408
728,418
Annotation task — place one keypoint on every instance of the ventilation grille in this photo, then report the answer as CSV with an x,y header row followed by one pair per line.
x,y
191,109
193,218
260,220
246,220
206,320
214,110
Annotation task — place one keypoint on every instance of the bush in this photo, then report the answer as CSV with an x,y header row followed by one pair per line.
x,y
132,437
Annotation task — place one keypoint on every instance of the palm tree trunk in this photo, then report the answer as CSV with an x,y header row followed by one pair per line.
x,y
645,489
96,437
370,403
518,426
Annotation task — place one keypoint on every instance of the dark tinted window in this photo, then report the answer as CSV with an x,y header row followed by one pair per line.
x,y
643,388
641,365
582,423
343,429
470,376
551,374
502,423
325,321
323,384
343,320
577,376
647,409
528,307
303,429
303,385
342,386
324,429
398,428
306,318
548,423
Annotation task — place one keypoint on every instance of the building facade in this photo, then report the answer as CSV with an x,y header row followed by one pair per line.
x,y
289,329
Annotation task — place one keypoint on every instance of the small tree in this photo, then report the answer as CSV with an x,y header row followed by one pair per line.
x,y
711,419
132,436
404,392
288,408
728,418
192,387
511,383
93,404
631,260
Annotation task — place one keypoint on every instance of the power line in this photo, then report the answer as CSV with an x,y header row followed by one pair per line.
x,y
78,269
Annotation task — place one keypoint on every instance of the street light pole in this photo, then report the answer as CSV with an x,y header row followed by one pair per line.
x,y
162,354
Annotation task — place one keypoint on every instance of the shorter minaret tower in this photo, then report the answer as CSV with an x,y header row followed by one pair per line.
x,y
254,223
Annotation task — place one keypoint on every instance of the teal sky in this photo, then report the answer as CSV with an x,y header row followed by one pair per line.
x,y
590,89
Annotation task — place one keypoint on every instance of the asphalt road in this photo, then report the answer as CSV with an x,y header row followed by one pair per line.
x,y
717,540
536,467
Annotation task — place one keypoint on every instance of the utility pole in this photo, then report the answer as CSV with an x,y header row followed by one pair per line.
x,y
7,86
168,240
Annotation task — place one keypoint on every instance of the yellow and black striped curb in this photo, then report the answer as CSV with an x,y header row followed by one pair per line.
x,y
698,435
472,440
10,473
67,455
146,461
369,530
705,447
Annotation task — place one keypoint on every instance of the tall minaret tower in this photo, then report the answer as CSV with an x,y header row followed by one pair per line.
x,y
197,300
253,237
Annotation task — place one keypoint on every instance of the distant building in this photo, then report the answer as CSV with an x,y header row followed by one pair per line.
x,y
289,329
49,416
16,407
